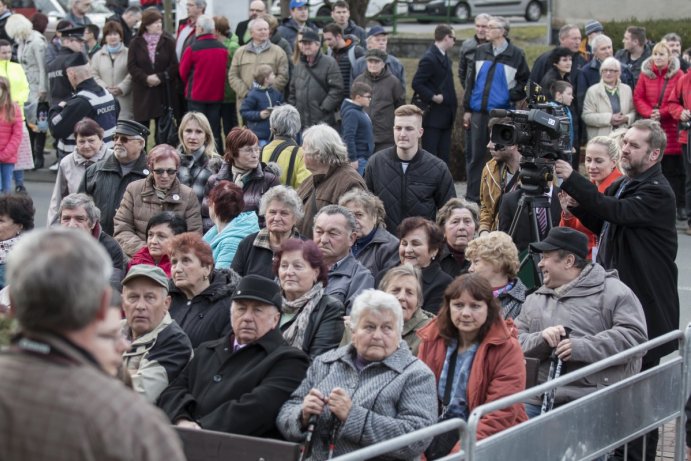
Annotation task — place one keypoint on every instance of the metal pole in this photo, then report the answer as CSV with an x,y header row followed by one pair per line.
x,y
680,429
394,17
168,17
549,22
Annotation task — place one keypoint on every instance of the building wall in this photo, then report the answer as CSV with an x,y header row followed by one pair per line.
x,y
620,10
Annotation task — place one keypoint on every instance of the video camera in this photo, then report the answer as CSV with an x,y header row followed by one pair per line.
x,y
542,135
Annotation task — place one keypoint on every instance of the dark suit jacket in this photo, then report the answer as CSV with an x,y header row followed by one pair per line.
x,y
509,207
434,76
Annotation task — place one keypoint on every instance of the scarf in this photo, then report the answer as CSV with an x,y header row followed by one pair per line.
x,y
239,175
302,307
114,49
6,246
151,43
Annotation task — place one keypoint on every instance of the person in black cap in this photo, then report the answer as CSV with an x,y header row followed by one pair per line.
x,y
378,38
107,180
604,317
71,41
90,100
237,384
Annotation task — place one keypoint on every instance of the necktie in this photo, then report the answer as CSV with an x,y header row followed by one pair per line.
x,y
542,222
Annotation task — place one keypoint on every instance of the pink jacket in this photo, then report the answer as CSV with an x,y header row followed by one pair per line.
x,y
10,136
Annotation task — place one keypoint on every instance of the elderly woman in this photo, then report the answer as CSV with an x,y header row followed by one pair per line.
x,y
109,65
369,391
608,107
601,157
242,166
421,241
200,295
283,149
160,229
475,357
659,76
375,247
326,157
231,224
16,216
89,150
282,209
459,220
160,191
495,257
150,59
311,320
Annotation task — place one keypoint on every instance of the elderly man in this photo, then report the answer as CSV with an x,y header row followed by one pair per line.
x,y
129,18
52,385
203,70
469,46
283,149
257,8
673,42
160,348
258,51
89,100
378,38
238,383
602,314
107,180
496,80
187,26
335,231
569,37
316,87
408,179
78,211
297,23
635,219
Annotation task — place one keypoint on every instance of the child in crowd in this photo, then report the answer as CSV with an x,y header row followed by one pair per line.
x,y
260,101
563,96
11,125
356,126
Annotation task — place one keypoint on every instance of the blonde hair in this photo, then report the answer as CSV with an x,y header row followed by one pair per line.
x,y
498,249
203,122
609,143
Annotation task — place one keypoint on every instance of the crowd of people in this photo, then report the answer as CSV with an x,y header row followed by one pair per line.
x,y
290,260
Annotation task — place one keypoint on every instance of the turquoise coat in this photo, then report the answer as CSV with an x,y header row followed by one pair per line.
x,y
225,244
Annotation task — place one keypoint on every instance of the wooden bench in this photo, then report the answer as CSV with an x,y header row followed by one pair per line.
x,y
202,445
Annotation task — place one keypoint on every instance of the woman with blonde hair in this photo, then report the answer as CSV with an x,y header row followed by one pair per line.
x,y
601,157
495,257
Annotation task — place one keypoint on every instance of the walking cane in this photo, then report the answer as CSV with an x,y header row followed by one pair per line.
x,y
556,368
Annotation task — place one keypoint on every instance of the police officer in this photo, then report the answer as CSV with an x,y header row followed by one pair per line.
x,y
90,100
71,41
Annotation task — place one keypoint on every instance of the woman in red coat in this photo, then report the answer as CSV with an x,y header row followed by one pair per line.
x,y
601,157
659,75
474,355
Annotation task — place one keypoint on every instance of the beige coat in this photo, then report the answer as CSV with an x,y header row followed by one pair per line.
x,y
245,62
113,72
597,110
140,203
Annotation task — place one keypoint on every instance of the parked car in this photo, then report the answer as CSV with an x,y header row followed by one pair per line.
x,y
377,10
466,10
57,9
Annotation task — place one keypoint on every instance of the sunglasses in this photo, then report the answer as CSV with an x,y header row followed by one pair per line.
x,y
169,171
122,138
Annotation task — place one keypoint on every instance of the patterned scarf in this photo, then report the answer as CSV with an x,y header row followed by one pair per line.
x,y
239,175
6,246
151,42
302,308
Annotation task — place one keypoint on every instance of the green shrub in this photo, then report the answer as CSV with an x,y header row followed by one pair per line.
x,y
654,30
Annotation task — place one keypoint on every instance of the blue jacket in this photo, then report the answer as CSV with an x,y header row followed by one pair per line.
x,y
356,131
495,82
258,99
225,244
435,76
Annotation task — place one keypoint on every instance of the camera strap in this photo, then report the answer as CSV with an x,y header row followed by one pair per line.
x,y
662,93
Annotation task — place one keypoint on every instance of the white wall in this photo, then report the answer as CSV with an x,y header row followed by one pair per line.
x,y
621,10
234,10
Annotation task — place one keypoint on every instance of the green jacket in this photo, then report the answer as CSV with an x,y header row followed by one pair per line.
x,y
232,44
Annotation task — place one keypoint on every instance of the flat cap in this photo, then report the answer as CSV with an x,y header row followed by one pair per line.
x,y
308,35
131,128
76,60
74,32
376,53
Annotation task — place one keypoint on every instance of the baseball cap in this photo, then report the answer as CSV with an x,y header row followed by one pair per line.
x,y
376,30
310,36
297,3
153,273
563,238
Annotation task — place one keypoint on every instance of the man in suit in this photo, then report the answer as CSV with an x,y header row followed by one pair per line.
x,y
433,81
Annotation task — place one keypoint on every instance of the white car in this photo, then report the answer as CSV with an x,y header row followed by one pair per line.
x,y
57,10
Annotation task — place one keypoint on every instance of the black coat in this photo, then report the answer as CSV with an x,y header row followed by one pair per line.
x,y
642,243
434,283
380,253
251,259
325,328
237,392
509,207
450,265
435,76
205,317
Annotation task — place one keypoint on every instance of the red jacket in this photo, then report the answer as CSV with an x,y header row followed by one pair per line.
x,y
10,136
574,223
144,257
680,99
498,371
203,69
647,94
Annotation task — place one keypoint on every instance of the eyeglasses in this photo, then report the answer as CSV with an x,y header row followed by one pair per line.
x,y
250,150
122,138
367,96
168,171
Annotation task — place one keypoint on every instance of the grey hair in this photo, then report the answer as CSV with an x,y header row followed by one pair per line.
x,y
504,22
18,27
74,201
250,25
200,4
566,28
377,301
285,121
206,23
611,61
57,279
287,196
669,37
326,145
598,41
331,210
367,200
457,203
404,270
483,16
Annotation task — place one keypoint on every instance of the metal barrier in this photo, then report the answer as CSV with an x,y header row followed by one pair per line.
x,y
406,439
585,428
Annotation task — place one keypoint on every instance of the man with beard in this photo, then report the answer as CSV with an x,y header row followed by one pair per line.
x,y
107,180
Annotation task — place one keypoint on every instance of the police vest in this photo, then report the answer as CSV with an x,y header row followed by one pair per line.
x,y
103,112
59,88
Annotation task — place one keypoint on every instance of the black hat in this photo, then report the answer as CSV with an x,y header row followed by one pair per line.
x,y
376,53
376,30
310,36
76,60
259,289
131,128
74,32
564,238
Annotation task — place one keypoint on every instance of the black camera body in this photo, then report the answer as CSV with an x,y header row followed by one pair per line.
x,y
685,126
